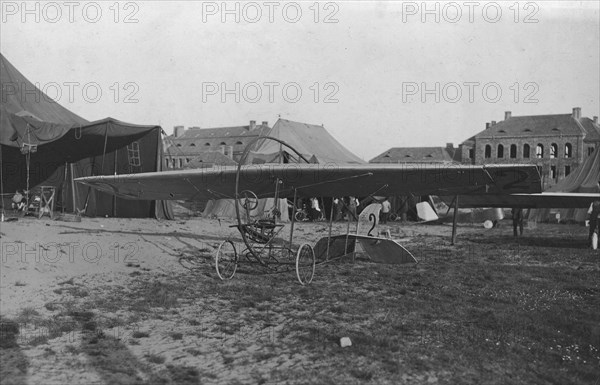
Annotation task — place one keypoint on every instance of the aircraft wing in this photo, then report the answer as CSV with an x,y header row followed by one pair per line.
x,y
322,180
555,200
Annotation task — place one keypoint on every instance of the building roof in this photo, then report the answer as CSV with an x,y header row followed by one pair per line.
x,y
195,133
541,125
414,154
592,129
209,159
195,141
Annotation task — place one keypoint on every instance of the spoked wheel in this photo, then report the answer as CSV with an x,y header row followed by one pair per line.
x,y
249,200
226,260
595,241
300,216
305,264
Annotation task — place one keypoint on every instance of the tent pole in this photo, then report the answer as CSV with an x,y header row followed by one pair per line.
x,y
73,188
454,217
347,208
63,188
114,213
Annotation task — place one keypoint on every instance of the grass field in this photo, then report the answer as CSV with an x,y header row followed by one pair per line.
x,y
489,310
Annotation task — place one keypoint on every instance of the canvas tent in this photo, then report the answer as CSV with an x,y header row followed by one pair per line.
x,y
314,142
63,146
583,179
311,141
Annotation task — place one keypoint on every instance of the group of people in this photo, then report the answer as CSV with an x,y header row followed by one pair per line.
x,y
345,208
342,208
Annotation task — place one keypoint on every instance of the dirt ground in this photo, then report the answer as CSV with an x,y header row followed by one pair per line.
x,y
137,301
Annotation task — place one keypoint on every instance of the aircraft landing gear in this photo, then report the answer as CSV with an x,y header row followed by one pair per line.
x,y
226,260
305,264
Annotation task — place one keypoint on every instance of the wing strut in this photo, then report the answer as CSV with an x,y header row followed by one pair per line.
x,y
336,180
454,217
293,219
216,194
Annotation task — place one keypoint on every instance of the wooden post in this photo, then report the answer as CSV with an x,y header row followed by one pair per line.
x,y
114,200
330,225
293,219
454,218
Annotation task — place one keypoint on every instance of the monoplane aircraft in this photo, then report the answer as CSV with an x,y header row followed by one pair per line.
x,y
247,183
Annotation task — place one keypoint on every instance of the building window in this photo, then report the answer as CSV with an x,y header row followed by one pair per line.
x,y
539,151
133,155
500,151
180,162
526,150
173,162
488,151
192,144
167,163
567,170
513,151
471,153
238,142
553,151
568,149
223,144
590,150
187,160
553,172
178,144
207,144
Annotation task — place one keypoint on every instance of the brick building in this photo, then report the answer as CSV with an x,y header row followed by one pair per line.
x,y
557,143
184,145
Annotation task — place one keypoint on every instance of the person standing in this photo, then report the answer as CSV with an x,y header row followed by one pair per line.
x,y
353,205
517,217
315,210
593,212
386,208
338,207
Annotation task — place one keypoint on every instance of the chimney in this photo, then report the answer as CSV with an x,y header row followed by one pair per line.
x,y
595,120
252,125
493,122
178,131
265,123
576,112
450,145
230,152
487,126
507,115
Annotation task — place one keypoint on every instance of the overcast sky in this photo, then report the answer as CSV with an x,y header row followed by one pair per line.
x,y
366,71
